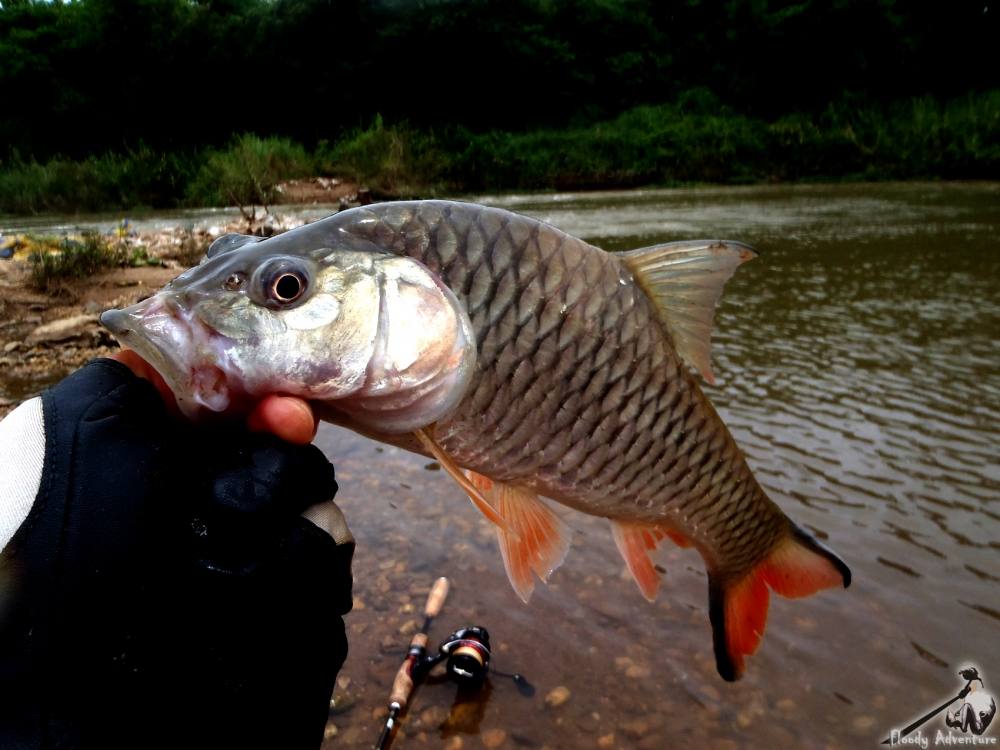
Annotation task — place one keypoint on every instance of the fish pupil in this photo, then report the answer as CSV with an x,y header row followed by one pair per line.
x,y
287,287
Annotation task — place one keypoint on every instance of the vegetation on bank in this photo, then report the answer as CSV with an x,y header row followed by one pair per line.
x,y
696,139
53,260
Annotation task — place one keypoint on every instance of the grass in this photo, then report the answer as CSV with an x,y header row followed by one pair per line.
x,y
56,260
695,139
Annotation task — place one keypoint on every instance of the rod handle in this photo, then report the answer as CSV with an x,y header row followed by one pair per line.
x,y
402,685
435,599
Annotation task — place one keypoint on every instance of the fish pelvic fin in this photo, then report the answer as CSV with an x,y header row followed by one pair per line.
x,y
455,471
685,281
797,566
540,540
635,542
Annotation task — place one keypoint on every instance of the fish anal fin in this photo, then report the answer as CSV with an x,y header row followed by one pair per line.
x,y
678,538
456,473
685,281
635,541
797,566
540,538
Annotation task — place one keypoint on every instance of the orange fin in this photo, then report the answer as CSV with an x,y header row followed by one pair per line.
x,y
635,541
678,538
540,539
797,566
456,473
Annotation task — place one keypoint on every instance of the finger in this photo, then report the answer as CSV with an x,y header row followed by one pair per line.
x,y
287,417
142,369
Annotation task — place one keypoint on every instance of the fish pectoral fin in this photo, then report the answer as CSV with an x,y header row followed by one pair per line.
x,y
540,540
685,281
456,473
797,566
635,541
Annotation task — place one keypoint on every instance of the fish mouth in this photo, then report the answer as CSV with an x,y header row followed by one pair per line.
x,y
181,348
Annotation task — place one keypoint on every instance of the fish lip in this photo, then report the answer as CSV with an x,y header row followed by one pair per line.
x,y
178,345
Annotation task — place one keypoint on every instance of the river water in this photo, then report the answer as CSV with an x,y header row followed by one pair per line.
x,y
858,367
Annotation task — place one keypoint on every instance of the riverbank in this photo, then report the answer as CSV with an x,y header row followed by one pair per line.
x,y
49,312
693,140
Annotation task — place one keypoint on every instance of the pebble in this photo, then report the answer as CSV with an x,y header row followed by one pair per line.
x,y
785,704
11,346
652,742
863,723
493,737
433,717
635,728
330,731
606,740
637,672
557,696
455,743
408,627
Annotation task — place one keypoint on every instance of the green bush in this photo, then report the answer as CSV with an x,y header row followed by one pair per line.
x,y
390,160
53,260
247,173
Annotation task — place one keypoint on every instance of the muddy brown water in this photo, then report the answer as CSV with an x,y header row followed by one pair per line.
x,y
858,368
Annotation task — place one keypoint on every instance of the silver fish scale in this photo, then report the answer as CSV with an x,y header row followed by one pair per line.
x,y
578,391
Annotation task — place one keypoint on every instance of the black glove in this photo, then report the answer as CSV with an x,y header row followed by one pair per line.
x,y
164,589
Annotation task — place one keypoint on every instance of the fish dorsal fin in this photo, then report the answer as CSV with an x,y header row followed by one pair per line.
x,y
229,242
542,538
457,474
685,280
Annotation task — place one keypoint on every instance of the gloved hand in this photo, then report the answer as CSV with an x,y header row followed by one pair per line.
x,y
165,589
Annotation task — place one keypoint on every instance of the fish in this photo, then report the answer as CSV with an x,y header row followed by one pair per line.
x,y
538,369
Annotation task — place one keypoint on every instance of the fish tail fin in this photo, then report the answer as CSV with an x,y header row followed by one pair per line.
x,y
797,566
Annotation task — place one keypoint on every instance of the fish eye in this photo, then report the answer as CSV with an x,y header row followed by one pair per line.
x,y
281,282
287,287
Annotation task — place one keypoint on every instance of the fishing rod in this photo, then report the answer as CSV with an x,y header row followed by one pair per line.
x,y
402,685
969,674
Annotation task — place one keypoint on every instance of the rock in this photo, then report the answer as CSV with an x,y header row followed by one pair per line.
x,y
454,743
341,702
61,330
635,728
863,723
637,671
557,696
655,742
408,627
493,737
11,346
433,717
785,704
606,740
330,731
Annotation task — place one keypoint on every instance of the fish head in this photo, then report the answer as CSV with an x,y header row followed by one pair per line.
x,y
375,336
